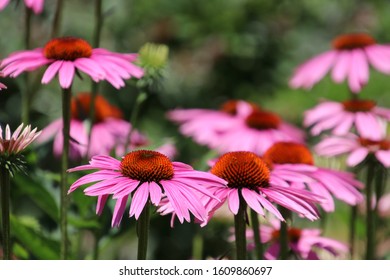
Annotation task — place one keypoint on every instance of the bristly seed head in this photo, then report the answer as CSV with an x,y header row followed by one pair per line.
x,y
375,145
147,166
288,153
230,107
242,170
293,234
352,41
358,105
263,120
67,48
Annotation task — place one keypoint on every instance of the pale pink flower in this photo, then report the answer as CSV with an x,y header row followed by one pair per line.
x,y
340,117
35,5
108,131
294,163
356,148
384,206
205,126
350,59
303,242
249,129
146,176
14,143
249,177
67,55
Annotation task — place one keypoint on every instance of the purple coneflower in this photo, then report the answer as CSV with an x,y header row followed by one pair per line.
x,y
350,59
288,159
147,175
340,117
108,129
35,5
357,148
66,55
304,243
14,143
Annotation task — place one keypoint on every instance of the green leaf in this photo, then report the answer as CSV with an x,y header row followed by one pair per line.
x,y
33,241
83,223
37,193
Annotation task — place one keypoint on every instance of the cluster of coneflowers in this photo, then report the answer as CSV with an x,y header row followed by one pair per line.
x,y
263,168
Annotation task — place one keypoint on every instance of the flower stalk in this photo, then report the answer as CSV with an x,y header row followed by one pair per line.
x,y
5,211
143,232
370,212
66,100
134,117
284,244
259,248
240,230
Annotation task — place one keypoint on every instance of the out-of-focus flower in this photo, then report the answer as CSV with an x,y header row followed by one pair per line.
x,y
147,175
340,117
350,59
12,144
35,5
66,55
288,159
108,129
304,243
242,127
384,206
357,148
2,86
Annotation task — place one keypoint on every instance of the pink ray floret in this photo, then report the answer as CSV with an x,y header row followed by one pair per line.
x,y
113,179
65,56
349,60
13,143
35,5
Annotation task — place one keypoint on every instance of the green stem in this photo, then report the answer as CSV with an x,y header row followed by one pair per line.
x,y
5,211
197,246
370,214
284,246
352,230
26,100
240,230
57,19
98,23
66,98
259,248
134,116
143,232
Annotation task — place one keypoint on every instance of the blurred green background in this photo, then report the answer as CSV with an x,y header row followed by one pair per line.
x,y
219,50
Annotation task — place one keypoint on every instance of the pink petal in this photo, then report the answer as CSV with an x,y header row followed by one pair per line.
x,y
118,211
358,74
233,201
357,156
139,200
155,193
51,71
66,74
342,66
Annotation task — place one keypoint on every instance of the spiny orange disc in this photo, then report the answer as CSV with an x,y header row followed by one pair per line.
x,y
288,152
67,48
358,105
242,170
352,41
381,144
263,120
80,108
230,107
147,166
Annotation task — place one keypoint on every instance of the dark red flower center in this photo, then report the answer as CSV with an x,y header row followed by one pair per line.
x,y
358,105
242,170
293,234
263,120
147,166
288,152
230,107
380,144
67,48
352,41
80,108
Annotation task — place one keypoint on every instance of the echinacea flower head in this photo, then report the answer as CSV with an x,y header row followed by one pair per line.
x,y
356,148
35,5
67,55
12,144
146,176
108,129
293,163
305,243
238,126
350,58
250,180
341,117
